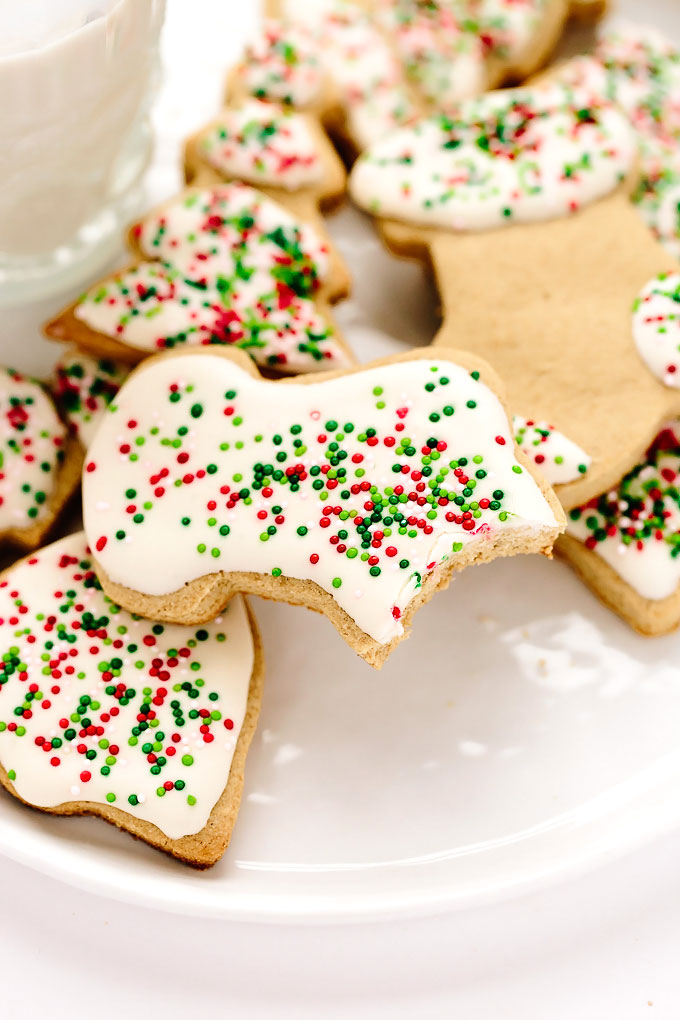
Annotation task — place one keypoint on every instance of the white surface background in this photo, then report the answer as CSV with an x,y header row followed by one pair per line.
x,y
605,946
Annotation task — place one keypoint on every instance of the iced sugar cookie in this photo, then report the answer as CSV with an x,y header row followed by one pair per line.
x,y
39,464
638,69
83,388
625,543
520,201
359,496
143,724
223,266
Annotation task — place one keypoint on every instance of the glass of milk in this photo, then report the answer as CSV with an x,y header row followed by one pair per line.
x,y
76,80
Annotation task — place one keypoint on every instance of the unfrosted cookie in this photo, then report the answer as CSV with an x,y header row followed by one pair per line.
x,y
625,543
143,724
359,496
520,202
39,464
83,388
223,265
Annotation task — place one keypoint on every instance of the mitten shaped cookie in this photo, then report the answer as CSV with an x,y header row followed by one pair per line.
x,y
520,201
223,265
357,494
101,713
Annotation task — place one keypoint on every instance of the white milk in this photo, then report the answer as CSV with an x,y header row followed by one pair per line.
x,y
76,78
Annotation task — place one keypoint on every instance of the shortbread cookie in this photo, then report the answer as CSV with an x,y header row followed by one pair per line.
x,y
223,265
145,725
520,201
638,68
39,464
83,388
625,544
358,496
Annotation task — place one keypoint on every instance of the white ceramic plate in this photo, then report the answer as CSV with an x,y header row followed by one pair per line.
x,y
521,734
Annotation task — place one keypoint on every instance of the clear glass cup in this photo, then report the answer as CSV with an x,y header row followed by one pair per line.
x,y
77,78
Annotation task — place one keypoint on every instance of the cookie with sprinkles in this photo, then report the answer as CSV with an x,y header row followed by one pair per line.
x,y
366,68
39,463
520,201
216,266
83,388
285,154
625,543
359,495
331,60
638,68
143,724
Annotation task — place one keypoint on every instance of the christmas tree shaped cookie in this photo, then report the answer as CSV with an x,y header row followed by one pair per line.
x,y
358,495
520,202
102,713
224,265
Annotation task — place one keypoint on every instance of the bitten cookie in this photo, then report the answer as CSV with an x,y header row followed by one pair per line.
x,y
625,544
83,388
357,494
142,724
39,464
520,201
223,265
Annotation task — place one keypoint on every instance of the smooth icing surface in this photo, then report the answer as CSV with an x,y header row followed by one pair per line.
x,y
284,64
235,268
559,459
508,157
363,484
635,528
656,327
263,144
31,450
98,705
83,389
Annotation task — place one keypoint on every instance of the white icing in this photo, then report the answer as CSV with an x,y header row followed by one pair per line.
x,y
31,449
263,144
558,458
237,269
283,63
203,233
656,327
647,515
46,585
159,554
541,158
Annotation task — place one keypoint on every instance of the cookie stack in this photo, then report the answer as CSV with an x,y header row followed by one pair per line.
x,y
248,452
